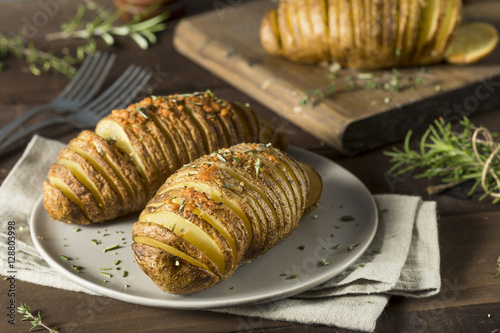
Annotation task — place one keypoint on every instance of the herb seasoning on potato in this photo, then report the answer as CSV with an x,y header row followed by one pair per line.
x,y
114,170
231,214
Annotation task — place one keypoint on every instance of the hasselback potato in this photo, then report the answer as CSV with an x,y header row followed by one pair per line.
x,y
364,34
116,169
219,212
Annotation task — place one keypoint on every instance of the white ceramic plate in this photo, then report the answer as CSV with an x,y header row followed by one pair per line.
x,y
319,233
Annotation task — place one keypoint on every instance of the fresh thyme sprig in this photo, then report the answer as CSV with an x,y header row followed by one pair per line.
x,y
35,320
39,61
103,24
368,81
454,157
89,23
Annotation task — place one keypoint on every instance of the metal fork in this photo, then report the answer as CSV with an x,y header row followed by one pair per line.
x,y
85,84
118,95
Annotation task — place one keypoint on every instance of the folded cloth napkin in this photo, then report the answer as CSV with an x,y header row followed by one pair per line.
x,y
403,258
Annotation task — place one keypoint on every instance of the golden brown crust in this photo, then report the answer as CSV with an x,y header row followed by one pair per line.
x,y
59,207
134,150
358,33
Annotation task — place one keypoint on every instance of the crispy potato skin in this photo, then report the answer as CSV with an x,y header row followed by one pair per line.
x,y
170,273
225,184
58,206
134,150
357,33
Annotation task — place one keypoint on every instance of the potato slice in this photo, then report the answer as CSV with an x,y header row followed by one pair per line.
x,y
359,52
60,207
248,118
220,194
96,158
185,224
224,220
428,26
269,35
124,169
376,28
123,138
174,264
242,167
288,169
63,179
471,42
315,189
221,190
154,152
254,199
451,20
333,32
93,180
318,17
346,34
210,129
389,31
288,46
282,186
235,120
411,34
301,17
402,26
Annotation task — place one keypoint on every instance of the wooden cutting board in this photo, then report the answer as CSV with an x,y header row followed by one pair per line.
x,y
226,42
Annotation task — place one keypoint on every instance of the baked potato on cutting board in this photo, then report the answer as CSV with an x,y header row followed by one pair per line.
x,y
116,169
374,33
220,212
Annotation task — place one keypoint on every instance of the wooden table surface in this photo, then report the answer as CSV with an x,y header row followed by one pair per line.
x,y
469,231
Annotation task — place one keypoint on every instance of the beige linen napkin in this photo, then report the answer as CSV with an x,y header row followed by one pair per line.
x,y
403,259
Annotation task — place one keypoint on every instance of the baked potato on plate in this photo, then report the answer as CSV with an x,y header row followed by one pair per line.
x,y
292,266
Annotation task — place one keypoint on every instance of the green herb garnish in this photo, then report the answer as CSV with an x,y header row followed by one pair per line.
x,y
325,262
352,246
221,158
181,208
114,247
347,218
257,166
36,321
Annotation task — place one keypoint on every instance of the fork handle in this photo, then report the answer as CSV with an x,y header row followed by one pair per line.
x,y
9,141
14,124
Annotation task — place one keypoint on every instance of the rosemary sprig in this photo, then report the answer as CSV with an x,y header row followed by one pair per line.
x,y
453,157
103,24
35,320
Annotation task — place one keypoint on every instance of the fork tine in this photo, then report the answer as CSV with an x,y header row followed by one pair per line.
x,y
124,79
93,80
88,62
126,96
83,72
